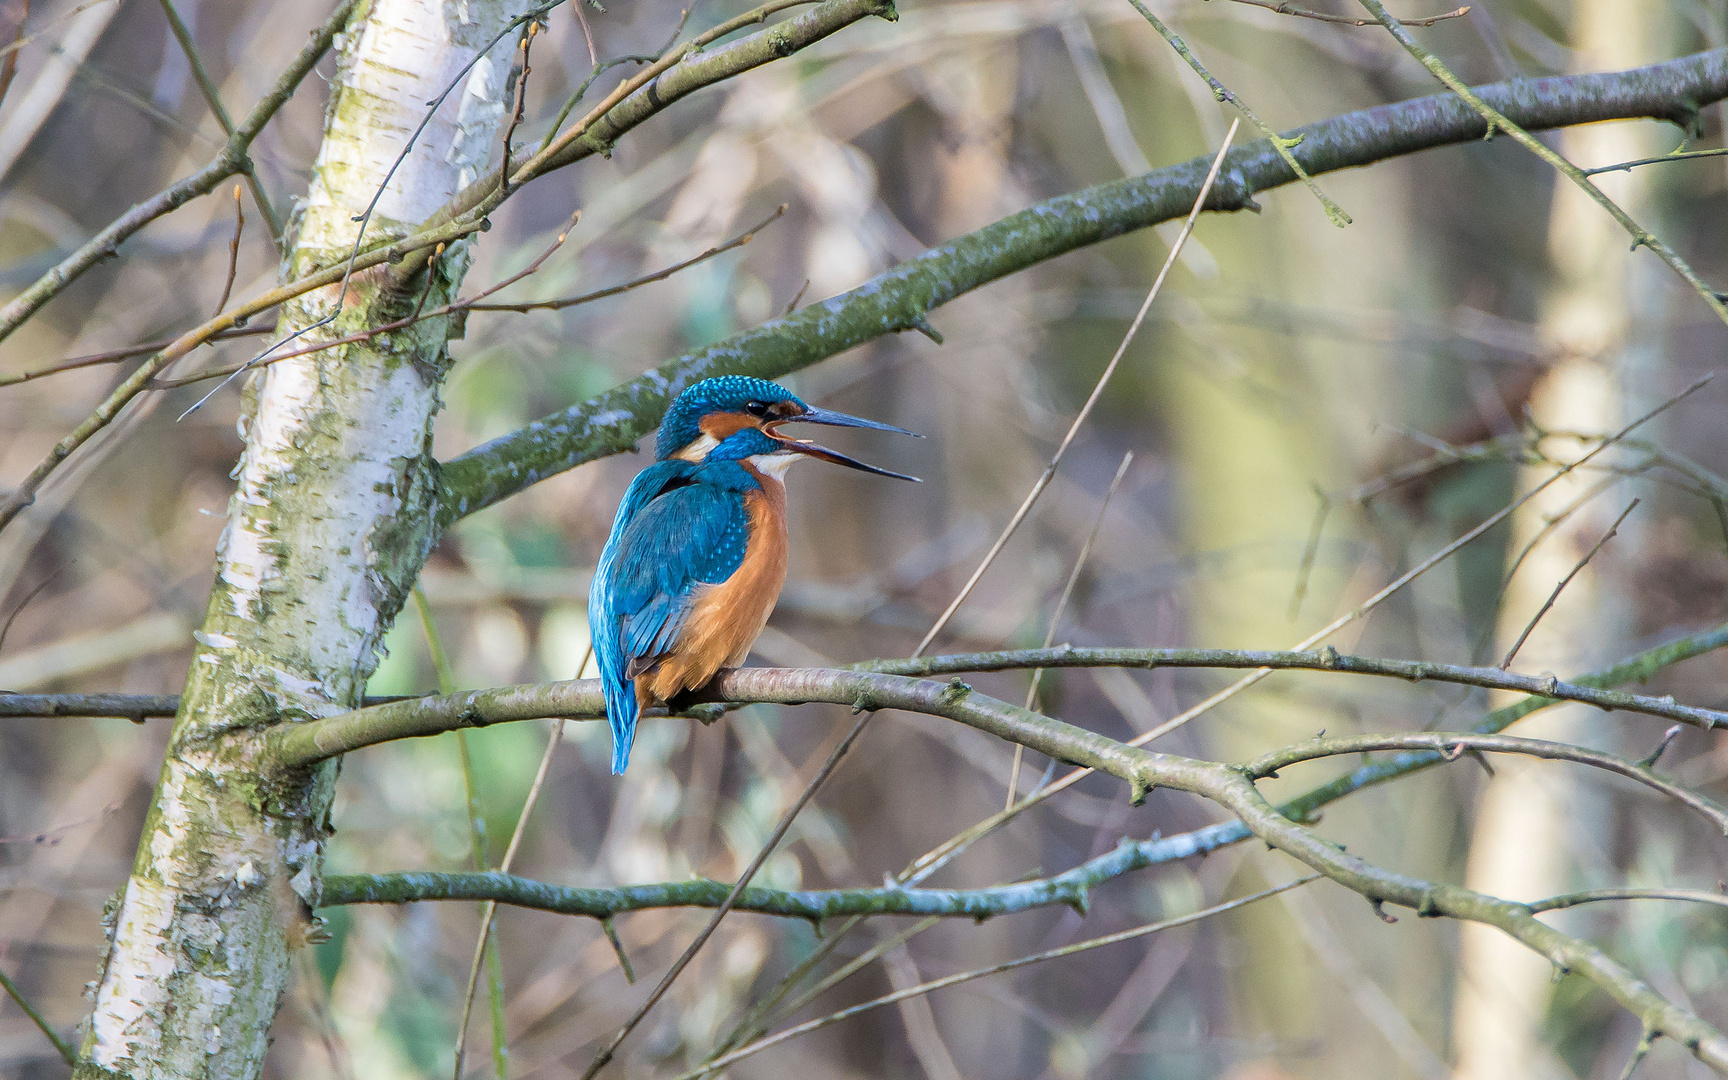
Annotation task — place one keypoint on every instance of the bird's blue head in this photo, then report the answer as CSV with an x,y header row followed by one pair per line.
x,y
737,417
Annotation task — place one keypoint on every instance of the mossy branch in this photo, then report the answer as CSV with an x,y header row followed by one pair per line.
x,y
899,299
1070,888
1232,788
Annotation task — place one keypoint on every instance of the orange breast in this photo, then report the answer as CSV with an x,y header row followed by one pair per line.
x,y
727,617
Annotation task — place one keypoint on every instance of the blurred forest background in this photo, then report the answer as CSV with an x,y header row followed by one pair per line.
x,y
1289,363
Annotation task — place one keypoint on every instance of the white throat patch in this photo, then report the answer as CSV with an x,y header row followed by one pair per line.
x,y
774,465
699,449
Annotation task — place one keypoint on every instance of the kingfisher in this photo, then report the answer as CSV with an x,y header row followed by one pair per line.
x,y
697,553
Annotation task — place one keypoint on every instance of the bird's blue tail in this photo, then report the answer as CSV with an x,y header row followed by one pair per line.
x,y
621,715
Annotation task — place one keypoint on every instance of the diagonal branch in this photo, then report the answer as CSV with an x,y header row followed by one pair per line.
x,y
899,299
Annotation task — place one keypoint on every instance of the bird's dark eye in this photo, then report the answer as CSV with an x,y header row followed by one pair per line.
x,y
756,408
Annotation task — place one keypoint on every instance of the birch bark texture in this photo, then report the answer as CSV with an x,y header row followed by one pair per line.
x,y
328,527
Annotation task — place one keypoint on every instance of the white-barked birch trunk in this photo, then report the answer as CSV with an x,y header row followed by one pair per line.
x,y
329,525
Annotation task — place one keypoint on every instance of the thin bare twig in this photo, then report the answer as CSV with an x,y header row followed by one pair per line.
x,y
1345,20
1640,236
1061,607
49,836
1677,155
520,108
35,591
953,980
1283,146
1453,744
61,1045
233,246
490,909
212,98
738,241
1091,400
600,1061
1592,896
115,356
1565,581
575,98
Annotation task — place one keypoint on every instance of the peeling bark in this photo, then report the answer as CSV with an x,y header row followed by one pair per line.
x,y
329,525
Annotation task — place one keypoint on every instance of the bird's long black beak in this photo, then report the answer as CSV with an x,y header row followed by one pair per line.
x,y
822,453
838,419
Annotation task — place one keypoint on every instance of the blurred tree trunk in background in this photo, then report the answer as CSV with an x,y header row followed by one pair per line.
x,y
1536,826
1255,417
327,530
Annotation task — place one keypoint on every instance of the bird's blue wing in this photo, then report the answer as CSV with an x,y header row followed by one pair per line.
x,y
680,526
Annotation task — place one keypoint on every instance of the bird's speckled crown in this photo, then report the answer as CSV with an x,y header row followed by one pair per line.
x,y
728,393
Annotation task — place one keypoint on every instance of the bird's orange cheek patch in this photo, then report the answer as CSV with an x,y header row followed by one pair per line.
x,y
720,425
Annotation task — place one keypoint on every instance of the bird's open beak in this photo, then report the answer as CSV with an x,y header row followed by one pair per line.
x,y
822,453
840,419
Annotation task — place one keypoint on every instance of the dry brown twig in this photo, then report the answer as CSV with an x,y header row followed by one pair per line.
x,y
1061,608
475,303
9,65
1345,20
129,352
233,250
1049,473
1562,583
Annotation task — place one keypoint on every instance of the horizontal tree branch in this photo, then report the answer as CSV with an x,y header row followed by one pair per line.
x,y
1449,744
900,299
1633,669
135,707
231,160
1593,896
1328,659
1230,787
1071,887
